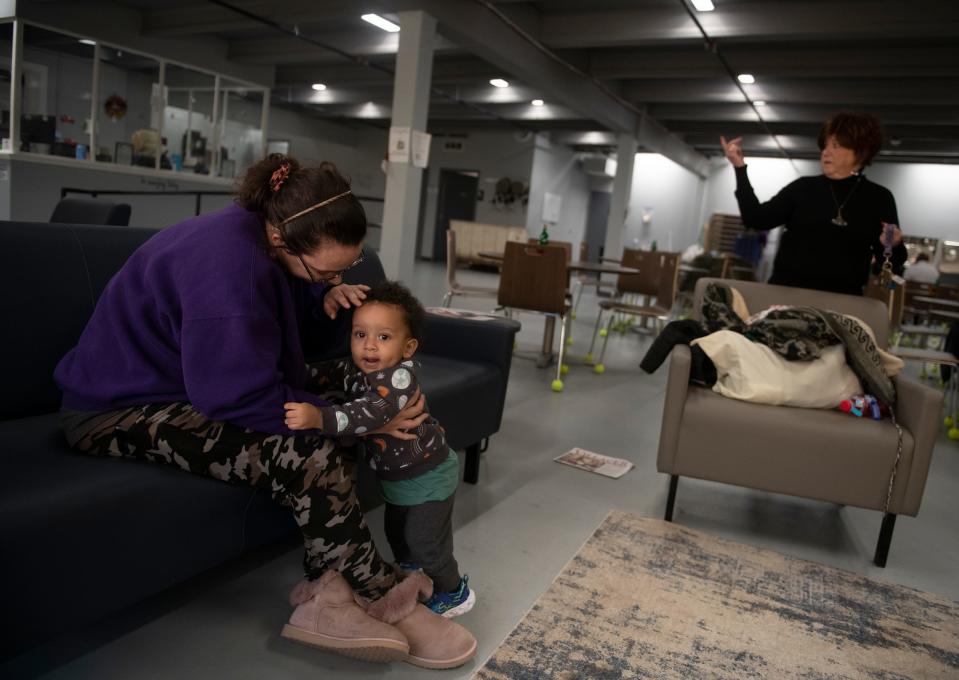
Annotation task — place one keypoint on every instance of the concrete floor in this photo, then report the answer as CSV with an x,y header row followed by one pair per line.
x,y
515,530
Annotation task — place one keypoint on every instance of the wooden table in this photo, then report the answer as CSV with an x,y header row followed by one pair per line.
x,y
591,267
549,329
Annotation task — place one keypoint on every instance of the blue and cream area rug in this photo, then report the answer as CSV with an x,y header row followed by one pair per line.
x,y
644,598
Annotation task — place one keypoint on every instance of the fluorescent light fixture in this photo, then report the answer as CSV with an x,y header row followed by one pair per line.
x,y
537,102
380,22
87,41
759,102
703,5
746,78
498,82
319,87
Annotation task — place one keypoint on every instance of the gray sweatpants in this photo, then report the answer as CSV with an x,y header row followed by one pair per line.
x,y
424,534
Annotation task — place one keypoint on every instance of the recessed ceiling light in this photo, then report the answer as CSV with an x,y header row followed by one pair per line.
x,y
703,5
380,22
746,78
759,102
87,41
498,82
319,87
537,102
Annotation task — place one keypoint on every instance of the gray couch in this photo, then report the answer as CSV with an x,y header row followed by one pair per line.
x,y
84,537
812,453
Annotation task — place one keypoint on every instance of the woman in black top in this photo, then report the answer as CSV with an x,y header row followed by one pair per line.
x,y
833,220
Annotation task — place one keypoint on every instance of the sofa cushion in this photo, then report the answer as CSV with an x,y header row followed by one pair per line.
x,y
782,450
93,535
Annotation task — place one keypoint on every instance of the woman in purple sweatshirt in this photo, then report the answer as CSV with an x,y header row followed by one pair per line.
x,y
191,352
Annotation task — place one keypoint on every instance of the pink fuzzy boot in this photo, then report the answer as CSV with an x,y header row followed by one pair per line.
x,y
435,642
328,617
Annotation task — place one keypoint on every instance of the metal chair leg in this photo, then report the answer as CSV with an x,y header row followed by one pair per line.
x,y
592,343
558,383
448,298
609,327
579,294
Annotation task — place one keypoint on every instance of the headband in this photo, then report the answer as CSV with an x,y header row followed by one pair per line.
x,y
314,207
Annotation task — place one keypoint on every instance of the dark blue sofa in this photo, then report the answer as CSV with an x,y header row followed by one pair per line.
x,y
85,537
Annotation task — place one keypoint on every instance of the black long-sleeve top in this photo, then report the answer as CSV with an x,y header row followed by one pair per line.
x,y
814,252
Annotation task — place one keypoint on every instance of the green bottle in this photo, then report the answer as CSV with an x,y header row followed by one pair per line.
x,y
544,236
652,246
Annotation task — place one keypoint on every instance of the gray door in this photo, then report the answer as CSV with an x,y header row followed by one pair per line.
x,y
457,201
597,214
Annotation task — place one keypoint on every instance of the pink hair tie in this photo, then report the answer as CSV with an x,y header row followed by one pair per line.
x,y
279,176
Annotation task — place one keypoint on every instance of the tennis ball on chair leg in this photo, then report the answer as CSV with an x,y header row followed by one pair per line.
x,y
564,369
599,368
948,421
953,433
557,385
603,332
588,358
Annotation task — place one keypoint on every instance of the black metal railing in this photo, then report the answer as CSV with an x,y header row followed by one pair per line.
x,y
199,194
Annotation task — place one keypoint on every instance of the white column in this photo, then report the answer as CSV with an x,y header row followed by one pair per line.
x,y
16,76
411,99
619,202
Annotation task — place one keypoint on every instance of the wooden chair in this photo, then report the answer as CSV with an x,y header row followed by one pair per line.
x,y
659,277
534,279
452,286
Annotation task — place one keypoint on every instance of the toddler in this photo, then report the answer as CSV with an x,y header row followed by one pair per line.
x,y
417,477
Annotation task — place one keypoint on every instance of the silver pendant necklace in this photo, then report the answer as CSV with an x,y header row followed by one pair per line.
x,y
838,219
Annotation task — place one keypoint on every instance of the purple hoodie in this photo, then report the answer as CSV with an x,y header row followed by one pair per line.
x,y
201,314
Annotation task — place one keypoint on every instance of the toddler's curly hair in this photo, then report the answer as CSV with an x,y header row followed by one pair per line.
x,y
398,295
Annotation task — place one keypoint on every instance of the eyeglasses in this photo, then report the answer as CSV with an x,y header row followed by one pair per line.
x,y
325,276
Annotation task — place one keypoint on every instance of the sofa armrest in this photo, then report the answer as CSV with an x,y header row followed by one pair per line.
x,y
473,336
677,386
918,410
469,336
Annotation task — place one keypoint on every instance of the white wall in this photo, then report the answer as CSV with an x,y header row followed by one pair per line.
x,y
927,196
556,171
493,155
673,195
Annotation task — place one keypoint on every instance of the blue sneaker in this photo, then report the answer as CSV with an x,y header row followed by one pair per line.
x,y
455,602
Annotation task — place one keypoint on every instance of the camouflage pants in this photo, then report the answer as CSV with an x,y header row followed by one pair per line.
x,y
307,473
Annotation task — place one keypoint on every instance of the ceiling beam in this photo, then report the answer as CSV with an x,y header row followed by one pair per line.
x,y
204,18
383,93
290,50
475,27
458,70
888,113
916,91
814,61
799,20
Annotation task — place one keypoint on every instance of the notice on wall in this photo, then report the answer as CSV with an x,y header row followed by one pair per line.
x,y
399,150
552,204
421,148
